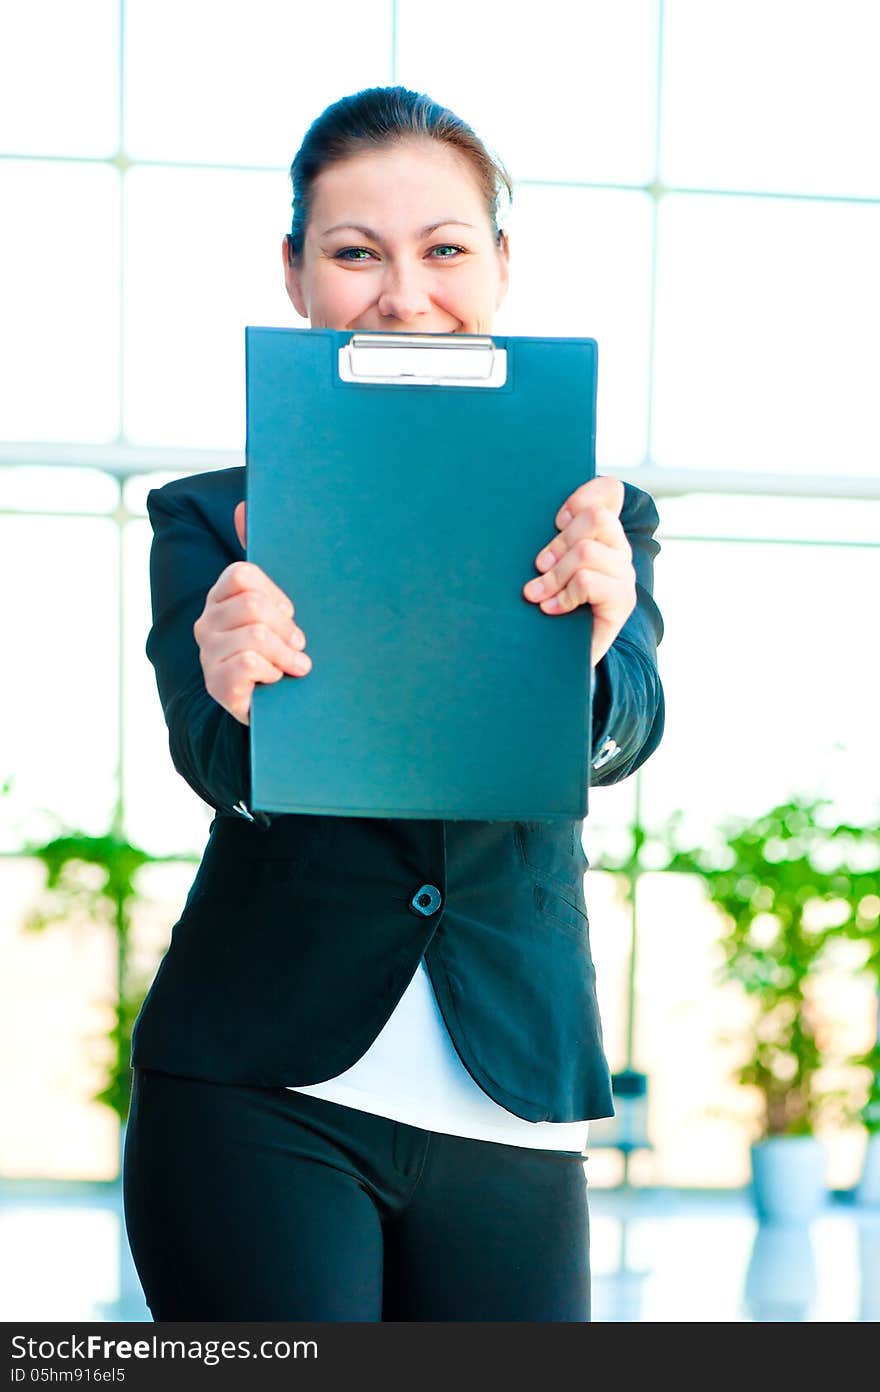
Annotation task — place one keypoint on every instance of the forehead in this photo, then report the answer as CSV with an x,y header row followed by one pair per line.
x,y
428,180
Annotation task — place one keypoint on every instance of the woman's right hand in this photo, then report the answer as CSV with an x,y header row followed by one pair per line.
x,y
246,633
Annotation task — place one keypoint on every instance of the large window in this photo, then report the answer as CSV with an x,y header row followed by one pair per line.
x,y
696,186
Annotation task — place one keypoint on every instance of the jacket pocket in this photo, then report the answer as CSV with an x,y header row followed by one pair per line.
x,y
563,910
553,851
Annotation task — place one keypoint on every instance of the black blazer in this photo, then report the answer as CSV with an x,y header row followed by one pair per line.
x,y
300,932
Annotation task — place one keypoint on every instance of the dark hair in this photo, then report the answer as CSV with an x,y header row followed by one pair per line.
x,y
372,118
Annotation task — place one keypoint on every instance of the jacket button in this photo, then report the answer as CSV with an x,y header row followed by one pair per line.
x,y
607,751
426,899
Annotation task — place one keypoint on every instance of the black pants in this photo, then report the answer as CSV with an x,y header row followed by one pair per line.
x,y
257,1203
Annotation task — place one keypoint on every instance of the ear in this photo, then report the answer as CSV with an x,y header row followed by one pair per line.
x,y
293,280
503,267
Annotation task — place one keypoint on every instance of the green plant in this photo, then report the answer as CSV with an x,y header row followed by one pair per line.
x,y
769,879
104,895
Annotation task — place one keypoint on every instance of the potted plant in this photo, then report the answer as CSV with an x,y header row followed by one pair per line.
x,y
788,886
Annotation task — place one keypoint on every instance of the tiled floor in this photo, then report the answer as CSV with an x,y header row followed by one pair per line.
x,y
657,1256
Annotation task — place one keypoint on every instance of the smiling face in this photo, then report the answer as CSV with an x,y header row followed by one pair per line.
x,y
399,240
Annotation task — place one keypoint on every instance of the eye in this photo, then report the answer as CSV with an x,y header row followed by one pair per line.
x,y
352,254
446,247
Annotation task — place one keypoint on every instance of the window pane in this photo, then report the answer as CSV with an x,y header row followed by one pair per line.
x,y
689,1042
780,700
24,486
57,990
698,1114
566,94
56,993
240,84
162,813
779,96
60,695
59,288
580,264
59,78
203,259
783,695
767,352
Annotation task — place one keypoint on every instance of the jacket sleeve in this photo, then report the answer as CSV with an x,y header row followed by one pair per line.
x,y
209,747
628,704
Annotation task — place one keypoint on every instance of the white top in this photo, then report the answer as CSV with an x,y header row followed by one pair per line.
x,y
412,1073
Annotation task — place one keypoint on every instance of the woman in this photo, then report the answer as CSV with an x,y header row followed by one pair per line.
x,y
364,1070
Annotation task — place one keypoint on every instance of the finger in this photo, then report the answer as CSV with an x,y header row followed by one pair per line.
x,y
594,522
260,640
585,587
244,575
232,682
241,523
598,491
588,553
254,607
246,609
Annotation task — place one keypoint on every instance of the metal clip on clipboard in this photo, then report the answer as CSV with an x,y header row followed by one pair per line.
x,y
421,360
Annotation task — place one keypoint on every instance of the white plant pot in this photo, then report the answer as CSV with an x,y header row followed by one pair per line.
x,y
788,1179
867,1192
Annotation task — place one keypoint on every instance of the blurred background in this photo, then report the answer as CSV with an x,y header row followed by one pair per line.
x,y
697,187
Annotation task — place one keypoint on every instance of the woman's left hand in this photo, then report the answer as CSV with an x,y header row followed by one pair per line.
x,y
589,562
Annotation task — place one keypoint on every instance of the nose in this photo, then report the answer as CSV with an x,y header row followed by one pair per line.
x,y
404,293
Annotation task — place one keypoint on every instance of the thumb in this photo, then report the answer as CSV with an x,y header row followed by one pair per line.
x,y
240,527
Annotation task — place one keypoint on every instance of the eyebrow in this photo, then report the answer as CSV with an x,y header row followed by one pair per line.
x,y
374,236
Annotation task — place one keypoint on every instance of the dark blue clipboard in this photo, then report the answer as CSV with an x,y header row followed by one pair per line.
x,y
400,505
